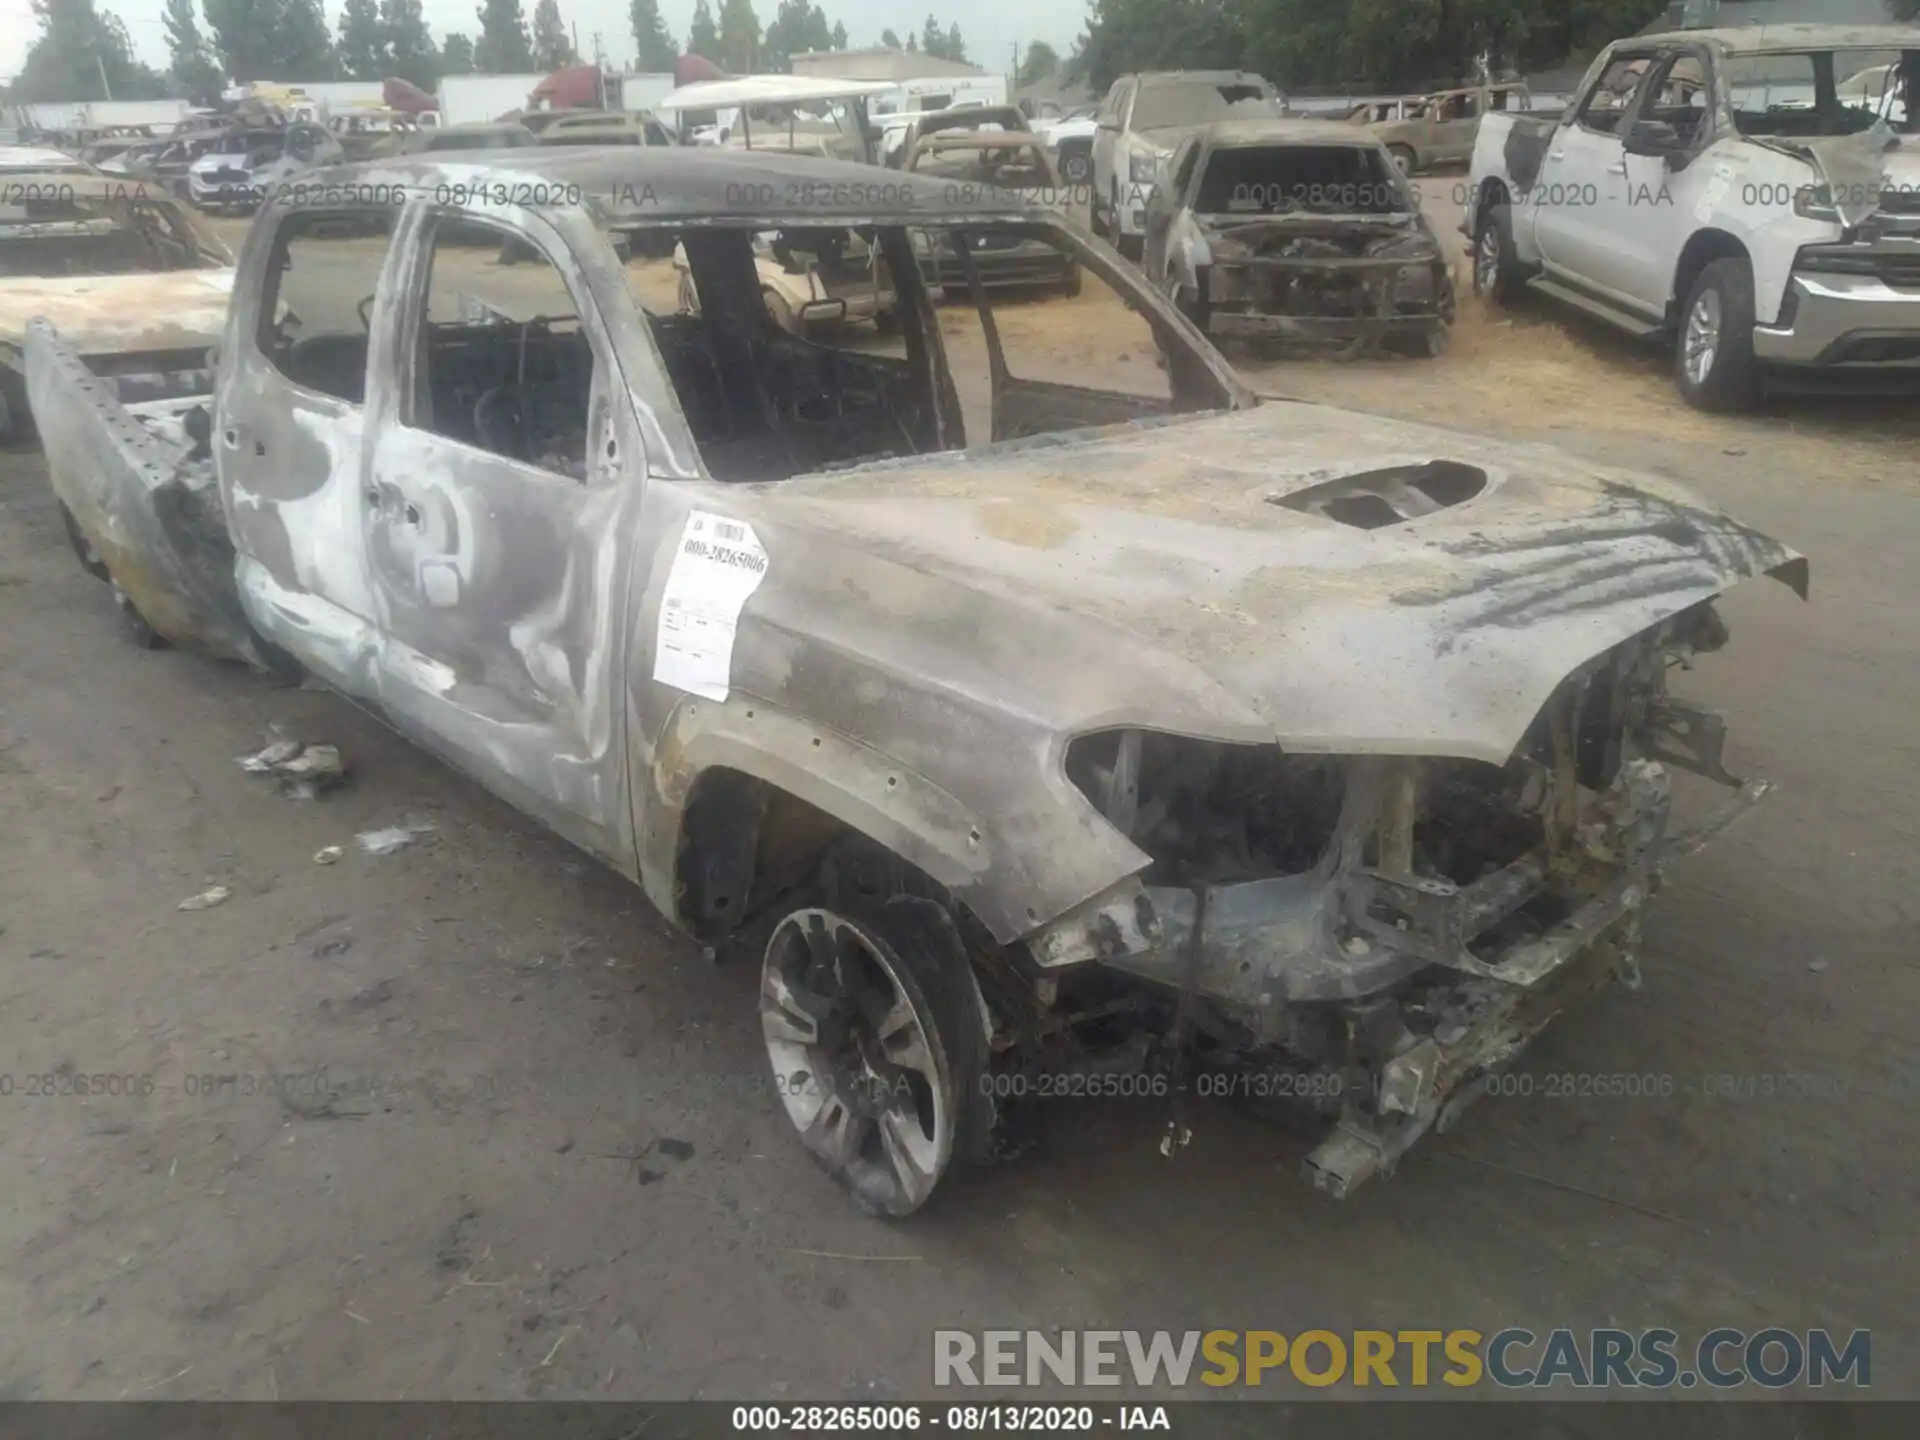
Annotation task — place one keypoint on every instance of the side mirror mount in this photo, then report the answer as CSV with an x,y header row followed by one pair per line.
x,y
1107,122
1655,139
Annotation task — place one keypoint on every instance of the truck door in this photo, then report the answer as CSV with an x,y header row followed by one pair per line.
x,y
497,519
289,425
1106,185
1162,206
1660,192
1583,220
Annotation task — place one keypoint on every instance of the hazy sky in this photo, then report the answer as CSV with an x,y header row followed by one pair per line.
x,y
991,27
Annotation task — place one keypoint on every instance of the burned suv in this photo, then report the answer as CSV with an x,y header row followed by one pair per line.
x,y
1013,722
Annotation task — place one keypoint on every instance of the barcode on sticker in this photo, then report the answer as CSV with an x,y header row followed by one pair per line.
x,y
727,530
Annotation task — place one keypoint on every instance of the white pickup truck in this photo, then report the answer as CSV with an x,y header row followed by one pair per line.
x,y
1751,195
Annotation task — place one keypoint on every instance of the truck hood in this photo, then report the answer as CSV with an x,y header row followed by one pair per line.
x,y
1856,169
1207,576
167,310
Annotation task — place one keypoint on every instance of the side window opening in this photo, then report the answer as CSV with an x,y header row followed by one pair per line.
x,y
503,361
791,350
1615,93
1679,97
318,301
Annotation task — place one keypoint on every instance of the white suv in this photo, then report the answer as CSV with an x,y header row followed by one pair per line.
x,y
1137,126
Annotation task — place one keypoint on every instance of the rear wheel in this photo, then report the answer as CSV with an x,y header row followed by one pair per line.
x,y
1404,158
1714,366
83,550
873,1029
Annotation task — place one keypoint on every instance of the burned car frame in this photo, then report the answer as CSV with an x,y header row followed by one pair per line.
x,y
1300,234
1141,730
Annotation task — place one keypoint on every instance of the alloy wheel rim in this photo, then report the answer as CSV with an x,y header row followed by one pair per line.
x,y
1489,259
853,1060
1703,336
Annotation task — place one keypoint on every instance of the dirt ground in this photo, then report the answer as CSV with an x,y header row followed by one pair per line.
x,y
523,1147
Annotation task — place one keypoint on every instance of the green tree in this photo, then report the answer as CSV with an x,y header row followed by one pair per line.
x,y
703,36
456,54
552,46
839,36
657,51
933,40
411,53
77,47
797,28
1042,61
303,49
739,36
913,42
271,39
194,73
504,47
889,39
956,47
362,49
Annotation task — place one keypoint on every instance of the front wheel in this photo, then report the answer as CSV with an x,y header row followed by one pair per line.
x,y
1404,159
1076,167
1497,276
872,1026
1713,364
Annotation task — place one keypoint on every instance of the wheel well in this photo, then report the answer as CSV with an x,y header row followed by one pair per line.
x,y
1705,247
1492,192
746,844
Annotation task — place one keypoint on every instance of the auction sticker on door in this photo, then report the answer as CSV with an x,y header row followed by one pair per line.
x,y
720,563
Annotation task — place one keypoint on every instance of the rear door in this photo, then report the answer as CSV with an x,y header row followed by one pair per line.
x,y
498,516
290,425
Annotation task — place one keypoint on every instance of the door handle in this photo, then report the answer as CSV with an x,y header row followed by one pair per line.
x,y
1619,169
1556,154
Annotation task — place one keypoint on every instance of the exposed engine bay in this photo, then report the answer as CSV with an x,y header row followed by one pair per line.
x,y
1321,247
1380,933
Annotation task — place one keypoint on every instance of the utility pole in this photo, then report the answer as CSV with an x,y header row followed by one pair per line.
x,y
100,61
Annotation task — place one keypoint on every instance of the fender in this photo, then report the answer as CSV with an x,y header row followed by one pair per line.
x,y
861,787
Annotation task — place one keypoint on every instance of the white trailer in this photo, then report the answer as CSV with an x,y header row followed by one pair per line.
x,y
476,99
644,90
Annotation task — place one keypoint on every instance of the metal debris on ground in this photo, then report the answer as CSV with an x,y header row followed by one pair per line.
x,y
207,899
328,856
394,837
302,770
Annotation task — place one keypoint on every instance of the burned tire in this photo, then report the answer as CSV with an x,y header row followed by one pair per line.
x,y
1713,363
83,550
873,1029
1497,273
134,625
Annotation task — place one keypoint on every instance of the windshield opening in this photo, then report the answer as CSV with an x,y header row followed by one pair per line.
x,y
818,347
1197,103
58,234
1285,179
1823,92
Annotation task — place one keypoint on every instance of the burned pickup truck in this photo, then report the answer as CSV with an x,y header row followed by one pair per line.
x,y
1063,730
1299,234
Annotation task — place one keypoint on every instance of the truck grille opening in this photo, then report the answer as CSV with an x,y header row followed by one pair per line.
x,y
1391,495
1211,812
